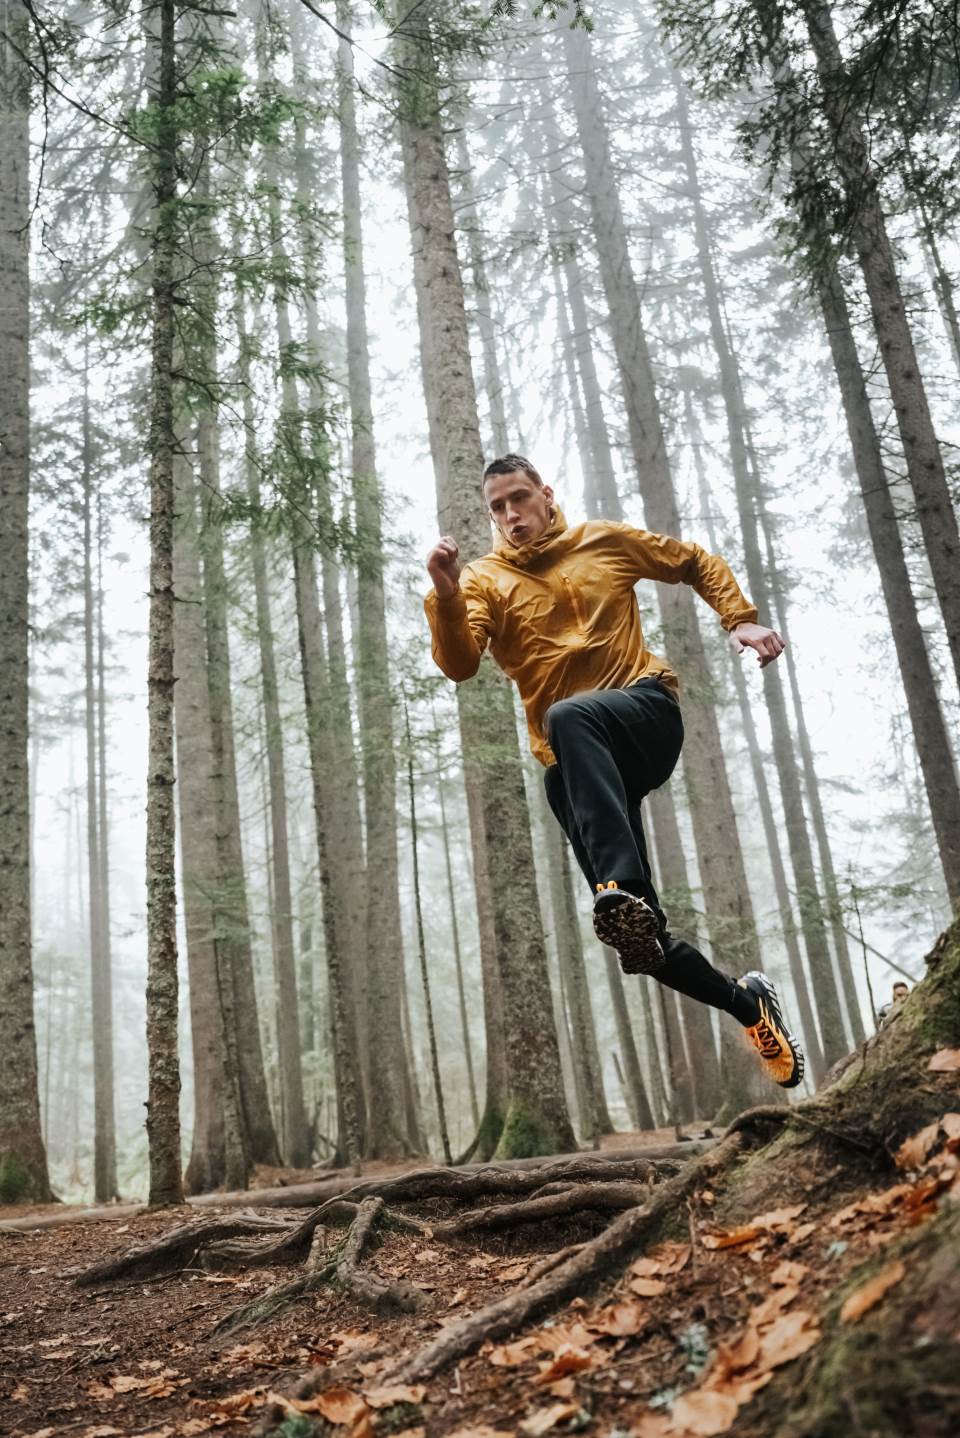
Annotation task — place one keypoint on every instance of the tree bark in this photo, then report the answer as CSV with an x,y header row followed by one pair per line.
x,y
23,1162
218,1155
422,950
924,459
455,935
101,998
163,1102
335,900
234,921
920,690
536,1120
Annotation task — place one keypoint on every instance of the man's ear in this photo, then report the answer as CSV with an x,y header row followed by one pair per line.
x,y
548,494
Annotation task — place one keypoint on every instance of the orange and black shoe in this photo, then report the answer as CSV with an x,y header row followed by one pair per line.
x,y
629,925
781,1053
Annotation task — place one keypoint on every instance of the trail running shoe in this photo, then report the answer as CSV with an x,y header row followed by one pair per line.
x,y
781,1053
629,925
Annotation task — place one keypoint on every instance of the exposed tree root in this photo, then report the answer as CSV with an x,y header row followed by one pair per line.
x,y
580,1198
177,1249
342,1268
577,1274
214,1244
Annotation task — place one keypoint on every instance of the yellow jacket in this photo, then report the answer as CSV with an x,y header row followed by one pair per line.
x,y
560,614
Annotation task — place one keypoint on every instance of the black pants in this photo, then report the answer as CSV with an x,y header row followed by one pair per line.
x,y
612,747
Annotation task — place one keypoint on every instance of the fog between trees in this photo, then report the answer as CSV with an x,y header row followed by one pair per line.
x,y
284,281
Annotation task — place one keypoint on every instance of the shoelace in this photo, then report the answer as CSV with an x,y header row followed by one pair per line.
x,y
769,1045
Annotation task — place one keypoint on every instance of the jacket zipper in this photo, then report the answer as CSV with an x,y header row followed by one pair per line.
x,y
574,603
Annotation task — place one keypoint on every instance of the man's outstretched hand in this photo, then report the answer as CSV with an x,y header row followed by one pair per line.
x,y
443,566
767,642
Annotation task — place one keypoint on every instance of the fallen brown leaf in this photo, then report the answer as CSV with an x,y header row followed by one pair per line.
x,y
235,1403
547,1418
913,1152
666,1259
427,1255
509,1355
515,1271
391,1393
704,1412
565,1360
104,1430
732,1238
620,1320
945,1061
563,1335
647,1287
652,1425
869,1294
102,1392
773,1305
352,1340
337,1405
950,1123
789,1272
733,1357
787,1337
779,1219
563,1388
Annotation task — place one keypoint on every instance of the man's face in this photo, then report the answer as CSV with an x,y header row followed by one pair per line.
x,y
899,992
518,506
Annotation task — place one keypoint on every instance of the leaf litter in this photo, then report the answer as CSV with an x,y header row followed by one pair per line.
x,y
766,1282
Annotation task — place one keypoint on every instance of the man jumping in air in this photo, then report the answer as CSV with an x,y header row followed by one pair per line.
x,y
558,610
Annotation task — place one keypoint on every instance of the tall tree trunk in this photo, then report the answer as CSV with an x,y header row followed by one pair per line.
x,y
163,1103
347,1078
924,459
218,1154
785,757
422,950
23,1162
469,226
722,870
101,998
234,924
536,1120
920,690
801,988
295,1139
455,936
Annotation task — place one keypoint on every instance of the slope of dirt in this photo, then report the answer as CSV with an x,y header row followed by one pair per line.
x,y
835,1310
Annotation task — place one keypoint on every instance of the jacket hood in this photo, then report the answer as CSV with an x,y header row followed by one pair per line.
x,y
523,554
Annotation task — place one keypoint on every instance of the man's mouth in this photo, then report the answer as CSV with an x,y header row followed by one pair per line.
x,y
518,529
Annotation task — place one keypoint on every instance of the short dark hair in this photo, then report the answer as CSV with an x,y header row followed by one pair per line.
x,y
511,464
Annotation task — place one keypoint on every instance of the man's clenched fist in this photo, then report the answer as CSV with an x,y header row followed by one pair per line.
x,y
443,566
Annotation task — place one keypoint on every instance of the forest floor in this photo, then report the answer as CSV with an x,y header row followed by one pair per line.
x,y
716,1326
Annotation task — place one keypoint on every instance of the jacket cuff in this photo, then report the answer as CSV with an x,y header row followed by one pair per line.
x,y
741,616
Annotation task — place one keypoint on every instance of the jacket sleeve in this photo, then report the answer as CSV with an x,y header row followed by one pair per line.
x,y
461,626
678,561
